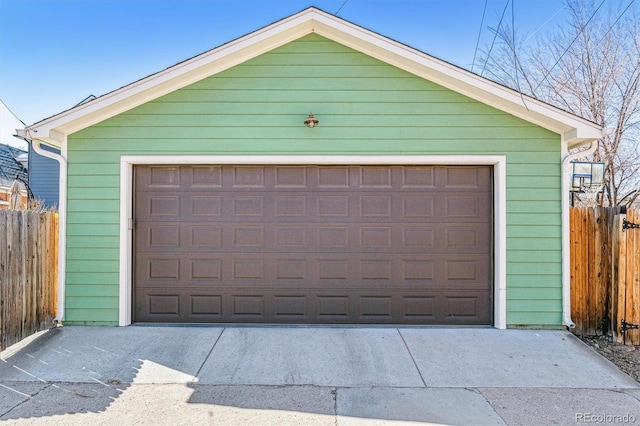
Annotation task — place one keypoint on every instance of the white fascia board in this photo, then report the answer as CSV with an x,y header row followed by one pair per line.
x,y
573,128
54,138
175,77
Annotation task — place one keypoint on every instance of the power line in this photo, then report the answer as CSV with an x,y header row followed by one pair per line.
x,y
543,24
569,46
340,8
494,37
619,17
581,64
13,113
479,32
513,44
515,54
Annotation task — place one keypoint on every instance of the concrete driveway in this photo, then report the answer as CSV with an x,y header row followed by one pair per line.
x,y
312,375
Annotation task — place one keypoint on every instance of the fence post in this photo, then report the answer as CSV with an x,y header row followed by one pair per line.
x,y
619,263
632,283
573,256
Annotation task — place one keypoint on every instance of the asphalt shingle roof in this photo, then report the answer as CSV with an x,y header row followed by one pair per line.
x,y
9,166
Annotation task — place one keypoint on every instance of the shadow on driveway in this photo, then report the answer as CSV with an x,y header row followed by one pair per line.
x,y
309,375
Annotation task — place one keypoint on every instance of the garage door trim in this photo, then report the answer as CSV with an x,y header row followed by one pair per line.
x,y
499,207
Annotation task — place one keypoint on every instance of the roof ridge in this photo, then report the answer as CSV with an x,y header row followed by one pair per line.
x,y
574,129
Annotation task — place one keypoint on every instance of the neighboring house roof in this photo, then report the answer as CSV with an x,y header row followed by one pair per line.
x,y
11,166
575,130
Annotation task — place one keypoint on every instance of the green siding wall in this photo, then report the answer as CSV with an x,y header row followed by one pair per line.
x,y
365,107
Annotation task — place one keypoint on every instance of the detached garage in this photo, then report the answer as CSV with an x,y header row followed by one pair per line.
x,y
425,195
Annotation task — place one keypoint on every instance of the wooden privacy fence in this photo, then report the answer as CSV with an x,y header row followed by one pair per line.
x,y
605,272
28,273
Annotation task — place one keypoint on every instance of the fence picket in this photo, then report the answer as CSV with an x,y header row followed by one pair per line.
x,y
28,272
574,267
605,272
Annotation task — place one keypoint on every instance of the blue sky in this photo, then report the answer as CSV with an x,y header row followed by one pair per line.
x,y
55,53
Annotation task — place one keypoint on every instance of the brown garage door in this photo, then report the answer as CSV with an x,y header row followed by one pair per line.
x,y
313,244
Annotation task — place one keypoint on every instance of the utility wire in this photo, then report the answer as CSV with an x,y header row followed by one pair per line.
x,y
479,32
494,37
513,45
515,54
543,24
13,113
619,17
581,64
340,8
569,46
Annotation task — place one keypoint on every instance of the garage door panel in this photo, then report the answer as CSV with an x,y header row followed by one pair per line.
x,y
205,270
464,238
160,236
249,307
165,305
245,269
243,177
205,206
375,308
159,206
315,238
464,207
159,179
248,237
314,306
295,271
157,271
313,244
204,237
331,177
206,306
418,206
170,237
464,178
419,309
290,177
417,177
291,207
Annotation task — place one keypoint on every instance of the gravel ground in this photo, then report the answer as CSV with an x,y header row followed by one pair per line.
x,y
627,358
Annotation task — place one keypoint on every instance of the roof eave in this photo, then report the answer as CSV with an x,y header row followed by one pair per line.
x,y
573,129
175,77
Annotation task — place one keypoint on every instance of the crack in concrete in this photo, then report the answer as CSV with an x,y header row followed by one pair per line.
x,y
30,397
334,394
412,358
479,392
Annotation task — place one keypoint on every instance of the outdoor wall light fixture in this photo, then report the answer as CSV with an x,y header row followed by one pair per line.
x,y
311,121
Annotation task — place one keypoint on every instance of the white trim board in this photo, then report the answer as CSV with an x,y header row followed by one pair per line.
x,y
499,163
575,130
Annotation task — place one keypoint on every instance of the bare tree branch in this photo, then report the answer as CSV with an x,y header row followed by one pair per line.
x,y
591,67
